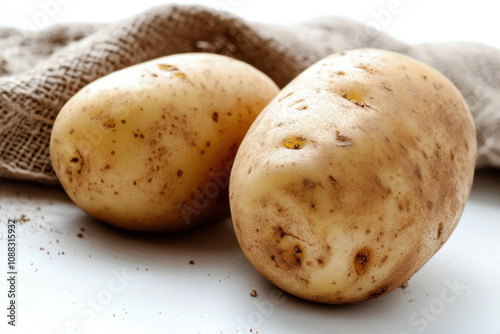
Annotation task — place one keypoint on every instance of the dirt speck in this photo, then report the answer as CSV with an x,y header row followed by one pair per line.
x,y
22,219
308,184
362,260
440,230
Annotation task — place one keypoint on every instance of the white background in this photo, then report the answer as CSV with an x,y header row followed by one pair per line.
x,y
111,281
413,21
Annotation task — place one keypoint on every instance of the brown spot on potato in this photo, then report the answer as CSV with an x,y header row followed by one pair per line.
x,y
279,230
430,205
377,292
108,124
452,155
304,281
215,117
71,131
123,121
112,152
418,173
362,260
74,160
274,260
332,180
440,230
297,254
107,167
343,141
308,184
179,173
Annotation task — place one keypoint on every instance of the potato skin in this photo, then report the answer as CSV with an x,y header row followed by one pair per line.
x,y
353,176
150,147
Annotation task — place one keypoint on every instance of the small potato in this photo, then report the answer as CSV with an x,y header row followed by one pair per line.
x,y
353,176
150,147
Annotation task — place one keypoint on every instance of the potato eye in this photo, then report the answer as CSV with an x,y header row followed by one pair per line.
x,y
294,143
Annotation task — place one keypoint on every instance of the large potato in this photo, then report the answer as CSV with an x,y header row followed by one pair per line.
x,y
353,176
150,147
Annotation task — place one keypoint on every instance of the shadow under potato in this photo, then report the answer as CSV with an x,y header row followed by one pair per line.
x,y
215,237
486,187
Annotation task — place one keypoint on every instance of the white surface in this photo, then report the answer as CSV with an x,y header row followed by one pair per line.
x,y
413,21
111,281
117,282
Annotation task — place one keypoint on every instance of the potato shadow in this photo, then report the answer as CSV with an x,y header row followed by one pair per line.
x,y
396,307
214,238
211,238
486,187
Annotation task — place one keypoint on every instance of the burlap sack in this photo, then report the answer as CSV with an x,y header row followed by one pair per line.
x,y
40,71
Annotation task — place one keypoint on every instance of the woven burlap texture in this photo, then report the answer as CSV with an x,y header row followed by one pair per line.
x,y
40,71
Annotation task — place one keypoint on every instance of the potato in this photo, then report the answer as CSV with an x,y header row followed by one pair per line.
x,y
353,176
150,147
